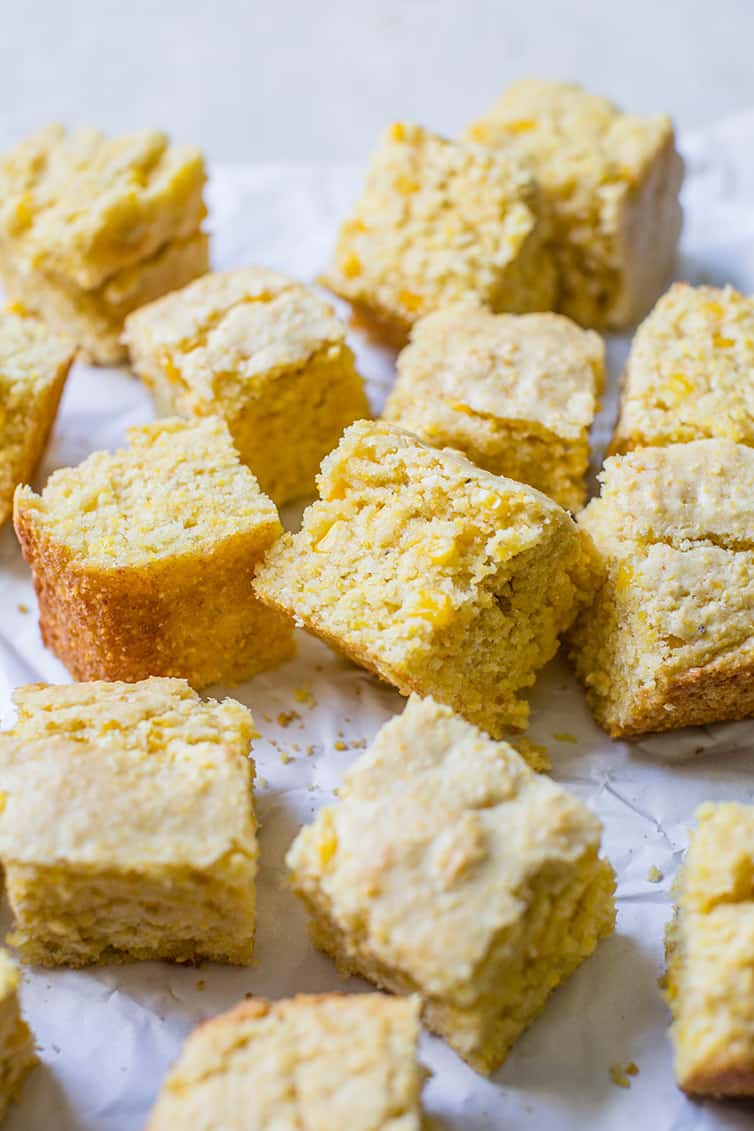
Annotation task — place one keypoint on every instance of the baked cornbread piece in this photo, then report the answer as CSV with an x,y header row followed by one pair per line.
x,y
34,365
612,182
17,1056
331,1062
710,950
436,575
267,355
440,221
517,394
690,373
450,869
669,640
127,829
93,227
143,559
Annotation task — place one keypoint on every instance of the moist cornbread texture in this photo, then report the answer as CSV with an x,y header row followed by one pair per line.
x,y
17,1056
515,393
325,1063
450,869
34,365
267,355
669,640
439,221
143,559
436,575
611,181
127,829
690,373
93,227
710,950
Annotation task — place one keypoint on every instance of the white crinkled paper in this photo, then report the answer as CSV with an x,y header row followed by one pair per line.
x,y
107,1035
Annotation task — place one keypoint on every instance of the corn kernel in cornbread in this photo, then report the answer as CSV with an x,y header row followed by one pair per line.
x,y
669,640
690,373
436,575
267,355
329,1062
611,181
440,221
127,829
143,559
93,227
710,950
450,869
17,1056
34,365
515,393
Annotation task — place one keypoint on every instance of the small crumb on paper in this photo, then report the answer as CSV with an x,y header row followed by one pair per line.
x,y
564,736
305,695
22,608
285,718
655,874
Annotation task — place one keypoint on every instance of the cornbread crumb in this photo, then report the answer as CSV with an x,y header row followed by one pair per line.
x,y
620,1076
668,640
440,221
434,574
655,875
344,1063
710,953
448,868
22,608
17,1055
611,182
517,394
265,354
533,753
128,829
34,365
564,736
142,559
285,718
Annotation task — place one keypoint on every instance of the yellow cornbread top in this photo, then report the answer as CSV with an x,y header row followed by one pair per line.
x,y
719,865
83,206
352,1059
179,488
540,368
125,775
690,373
439,841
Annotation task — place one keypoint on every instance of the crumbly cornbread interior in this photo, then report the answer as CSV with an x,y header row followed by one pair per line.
x,y
17,1055
437,575
127,829
710,944
447,867
515,393
335,1062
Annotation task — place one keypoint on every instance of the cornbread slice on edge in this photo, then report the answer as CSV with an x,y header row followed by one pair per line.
x,y
264,353
440,221
450,869
690,372
17,1055
669,639
611,182
143,560
517,394
710,953
436,575
34,365
336,1062
127,829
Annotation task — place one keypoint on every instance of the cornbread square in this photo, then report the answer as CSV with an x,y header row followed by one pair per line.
x,y
429,571
127,829
612,182
450,869
92,227
17,1056
329,1062
690,372
669,640
440,221
264,353
143,559
34,365
710,951
517,394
